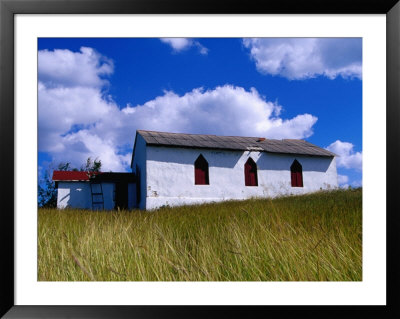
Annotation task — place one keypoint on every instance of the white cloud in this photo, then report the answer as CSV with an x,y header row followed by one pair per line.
x,y
77,147
356,183
353,184
180,44
69,69
303,58
77,121
225,110
342,179
347,157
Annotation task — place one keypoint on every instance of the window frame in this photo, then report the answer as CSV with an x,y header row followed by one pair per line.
x,y
247,173
296,171
198,166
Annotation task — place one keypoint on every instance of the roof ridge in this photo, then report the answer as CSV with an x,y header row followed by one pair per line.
x,y
176,133
258,137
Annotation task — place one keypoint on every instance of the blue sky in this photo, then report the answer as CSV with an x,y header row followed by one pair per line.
x,y
94,93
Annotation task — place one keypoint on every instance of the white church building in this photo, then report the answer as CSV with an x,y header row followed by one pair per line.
x,y
170,169
177,169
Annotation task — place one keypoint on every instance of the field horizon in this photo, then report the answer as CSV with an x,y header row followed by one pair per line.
x,y
314,237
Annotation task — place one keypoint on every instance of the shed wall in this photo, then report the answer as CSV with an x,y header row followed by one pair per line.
x,y
170,175
78,195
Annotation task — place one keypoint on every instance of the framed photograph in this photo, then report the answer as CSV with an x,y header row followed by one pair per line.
x,y
301,92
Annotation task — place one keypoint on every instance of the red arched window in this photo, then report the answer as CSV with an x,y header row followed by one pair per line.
x,y
201,171
296,173
250,173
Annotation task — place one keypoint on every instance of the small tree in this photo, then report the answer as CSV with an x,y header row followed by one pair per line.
x,y
65,167
47,192
91,166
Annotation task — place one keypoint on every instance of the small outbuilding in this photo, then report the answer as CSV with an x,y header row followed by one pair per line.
x,y
94,190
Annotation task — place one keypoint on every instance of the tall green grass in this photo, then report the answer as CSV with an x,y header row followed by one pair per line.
x,y
315,237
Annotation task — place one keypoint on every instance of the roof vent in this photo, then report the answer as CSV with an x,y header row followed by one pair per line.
x,y
260,139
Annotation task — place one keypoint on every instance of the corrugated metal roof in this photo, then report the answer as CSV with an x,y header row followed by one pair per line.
x,y
72,175
286,146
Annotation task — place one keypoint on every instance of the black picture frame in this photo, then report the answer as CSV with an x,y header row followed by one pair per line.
x,y
8,9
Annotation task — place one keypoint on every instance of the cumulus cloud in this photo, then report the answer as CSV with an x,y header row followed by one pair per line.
x,y
65,68
303,58
225,110
348,158
356,183
180,44
353,184
342,179
77,121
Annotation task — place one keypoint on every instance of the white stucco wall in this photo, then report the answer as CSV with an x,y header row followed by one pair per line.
x,y
170,175
140,160
78,195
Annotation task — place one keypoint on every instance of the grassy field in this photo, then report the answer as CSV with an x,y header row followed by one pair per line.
x,y
316,237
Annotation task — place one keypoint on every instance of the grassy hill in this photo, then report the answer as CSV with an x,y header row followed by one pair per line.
x,y
315,237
